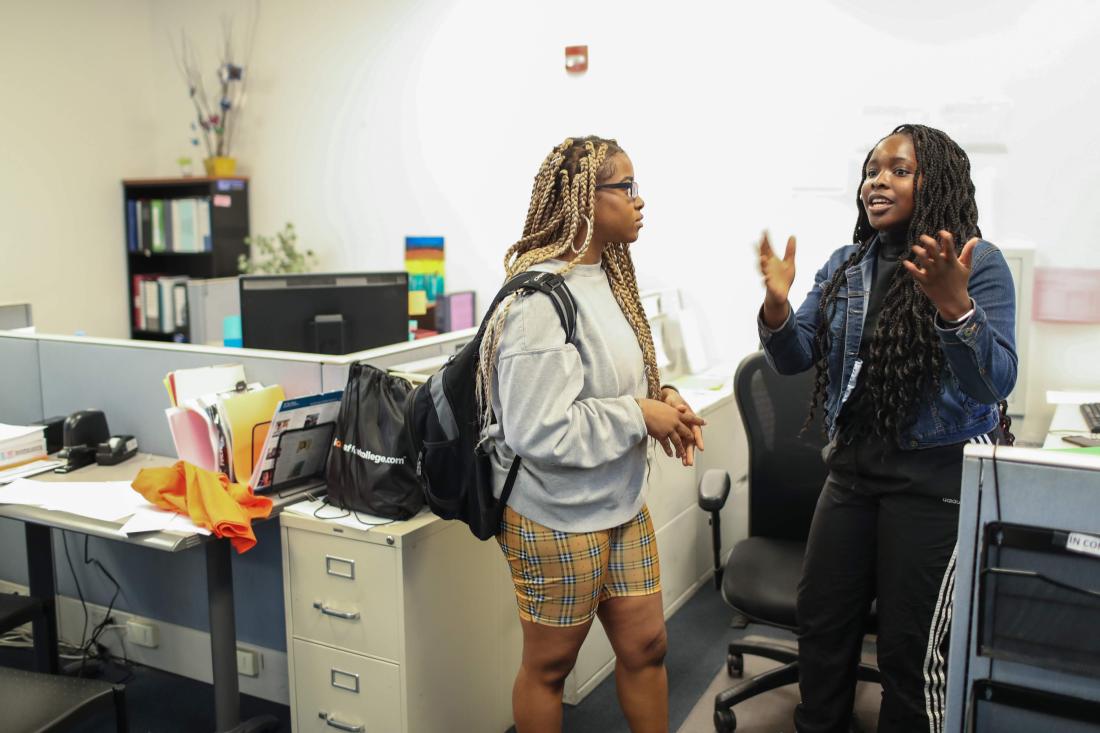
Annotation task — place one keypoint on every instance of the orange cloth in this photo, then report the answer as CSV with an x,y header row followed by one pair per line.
x,y
225,508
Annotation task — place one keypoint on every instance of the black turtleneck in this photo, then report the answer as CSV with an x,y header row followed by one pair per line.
x,y
892,249
858,414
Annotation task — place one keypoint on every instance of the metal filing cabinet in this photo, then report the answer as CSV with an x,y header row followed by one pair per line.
x,y
409,627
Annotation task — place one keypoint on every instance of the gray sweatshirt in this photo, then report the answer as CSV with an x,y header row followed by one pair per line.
x,y
570,410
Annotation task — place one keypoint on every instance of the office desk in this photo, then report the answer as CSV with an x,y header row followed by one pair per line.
x,y
219,573
1067,420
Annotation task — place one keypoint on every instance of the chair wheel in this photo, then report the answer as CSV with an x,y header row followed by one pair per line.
x,y
735,664
725,721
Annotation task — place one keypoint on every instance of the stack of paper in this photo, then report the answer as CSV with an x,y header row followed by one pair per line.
x,y
21,444
219,421
40,465
107,501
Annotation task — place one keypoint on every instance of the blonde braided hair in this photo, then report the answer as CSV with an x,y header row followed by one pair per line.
x,y
563,198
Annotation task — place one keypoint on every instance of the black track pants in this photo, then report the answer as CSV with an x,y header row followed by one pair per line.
x,y
898,548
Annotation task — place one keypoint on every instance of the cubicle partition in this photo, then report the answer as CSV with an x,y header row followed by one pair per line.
x,y
55,375
126,380
21,383
1023,648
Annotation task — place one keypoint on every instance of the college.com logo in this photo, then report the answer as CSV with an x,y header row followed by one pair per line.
x,y
368,455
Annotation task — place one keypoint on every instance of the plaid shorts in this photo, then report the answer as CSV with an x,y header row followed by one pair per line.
x,y
561,577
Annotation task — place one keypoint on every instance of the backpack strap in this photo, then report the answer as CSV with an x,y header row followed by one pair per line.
x,y
551,284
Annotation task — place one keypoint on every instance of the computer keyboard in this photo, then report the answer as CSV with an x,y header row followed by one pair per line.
x,y
1091,412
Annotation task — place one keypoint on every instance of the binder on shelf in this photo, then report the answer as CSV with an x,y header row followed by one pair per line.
x,y
166,209
179,301
157,225
145,233
150,304
138,294
131,225
185,225
203,227
175,238
166,287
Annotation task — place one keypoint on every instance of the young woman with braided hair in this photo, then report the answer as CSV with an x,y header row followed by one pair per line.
x,y
911,332
576,532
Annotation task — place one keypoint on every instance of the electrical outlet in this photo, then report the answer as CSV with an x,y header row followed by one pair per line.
x,y
248,662
142,634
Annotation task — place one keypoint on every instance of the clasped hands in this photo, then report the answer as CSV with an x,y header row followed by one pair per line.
x,y
673,424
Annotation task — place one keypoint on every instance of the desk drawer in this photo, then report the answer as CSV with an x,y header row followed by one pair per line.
x,y
344,593
336,691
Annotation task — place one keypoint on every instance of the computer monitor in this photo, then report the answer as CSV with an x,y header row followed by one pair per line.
x,y
336,313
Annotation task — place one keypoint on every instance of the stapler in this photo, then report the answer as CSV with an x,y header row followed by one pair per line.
x,y
84,430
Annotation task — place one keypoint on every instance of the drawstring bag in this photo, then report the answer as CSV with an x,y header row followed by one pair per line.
x,y
368,467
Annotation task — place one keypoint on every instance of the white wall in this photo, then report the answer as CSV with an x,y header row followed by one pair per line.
x,y
368,121
75,119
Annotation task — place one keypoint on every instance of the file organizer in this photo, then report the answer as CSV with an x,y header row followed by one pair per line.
x,y
1002,708
1035,598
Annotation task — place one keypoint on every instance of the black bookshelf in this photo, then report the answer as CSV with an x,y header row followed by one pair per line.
x,y
228,227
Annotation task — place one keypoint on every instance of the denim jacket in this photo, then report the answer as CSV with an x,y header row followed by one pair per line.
x,y
980,354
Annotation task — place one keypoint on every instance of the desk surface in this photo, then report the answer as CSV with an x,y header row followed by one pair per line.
x,y
1067,420
169,541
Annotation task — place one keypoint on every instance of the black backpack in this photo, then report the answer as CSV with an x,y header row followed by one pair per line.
x,y
443,424
367,469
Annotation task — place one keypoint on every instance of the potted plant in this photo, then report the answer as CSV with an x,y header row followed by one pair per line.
x,y
278,255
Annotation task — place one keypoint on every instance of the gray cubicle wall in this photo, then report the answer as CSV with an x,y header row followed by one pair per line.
x,y
20,385
1039,488
125,379
15,315
20,403
334,373
58,376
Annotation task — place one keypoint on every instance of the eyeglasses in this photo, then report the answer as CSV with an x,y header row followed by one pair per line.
x,y
631,188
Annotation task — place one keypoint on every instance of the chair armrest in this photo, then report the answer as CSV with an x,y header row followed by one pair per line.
x,y
714,489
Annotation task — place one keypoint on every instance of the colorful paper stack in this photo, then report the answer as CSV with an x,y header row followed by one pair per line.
x,y
424,263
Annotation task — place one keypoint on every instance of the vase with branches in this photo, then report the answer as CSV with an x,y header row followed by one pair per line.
x,y
217,116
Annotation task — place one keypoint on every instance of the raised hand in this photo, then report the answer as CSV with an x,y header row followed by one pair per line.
x,y
778,276
943,275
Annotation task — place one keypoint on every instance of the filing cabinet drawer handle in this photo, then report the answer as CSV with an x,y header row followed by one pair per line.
x,y
334,723
348,615
333,567
336,679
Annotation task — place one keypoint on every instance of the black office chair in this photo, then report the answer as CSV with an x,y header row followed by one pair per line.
x,y
33,702
40,702
785,477
16,610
